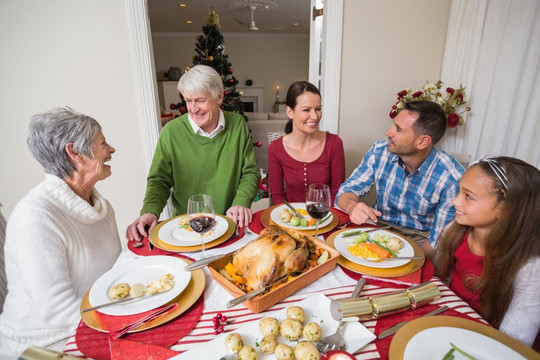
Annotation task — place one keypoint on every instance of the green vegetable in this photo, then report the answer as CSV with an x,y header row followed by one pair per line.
x,y
449,355
463,352
295,221
326,218
303,222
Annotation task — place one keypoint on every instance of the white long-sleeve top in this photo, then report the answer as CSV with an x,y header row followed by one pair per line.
x,y
57,246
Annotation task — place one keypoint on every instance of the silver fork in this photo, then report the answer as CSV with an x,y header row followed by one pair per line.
x,y
139,242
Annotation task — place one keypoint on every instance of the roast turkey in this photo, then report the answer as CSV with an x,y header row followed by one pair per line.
x,y
273,254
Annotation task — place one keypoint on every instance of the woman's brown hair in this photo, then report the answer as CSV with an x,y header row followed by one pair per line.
x,y
513,240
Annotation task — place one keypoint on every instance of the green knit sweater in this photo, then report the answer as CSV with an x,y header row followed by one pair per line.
x,y
185,164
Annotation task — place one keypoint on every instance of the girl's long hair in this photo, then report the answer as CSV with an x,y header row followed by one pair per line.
x,y
513,240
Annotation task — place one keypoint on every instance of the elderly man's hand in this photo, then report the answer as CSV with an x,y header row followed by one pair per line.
x,y
360,213
240,215
137,228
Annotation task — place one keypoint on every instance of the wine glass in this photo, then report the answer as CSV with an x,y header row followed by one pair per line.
x,y
318,202
201,215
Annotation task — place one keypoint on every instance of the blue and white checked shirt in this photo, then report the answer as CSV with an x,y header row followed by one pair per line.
x,y
420,200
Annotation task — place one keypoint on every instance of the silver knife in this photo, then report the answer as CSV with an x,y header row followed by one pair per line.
x,y
358,288
252,294
116,302
364,230
393,329
205,261
398,258
293,209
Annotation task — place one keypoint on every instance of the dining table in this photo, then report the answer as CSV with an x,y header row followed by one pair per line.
x,y
183,336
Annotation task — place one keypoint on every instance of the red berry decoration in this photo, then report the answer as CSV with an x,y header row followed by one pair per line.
x,y
172,106
224,318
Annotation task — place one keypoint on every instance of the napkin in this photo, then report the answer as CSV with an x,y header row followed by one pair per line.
x,y
145,250
120,325
127,350
256,225
95,344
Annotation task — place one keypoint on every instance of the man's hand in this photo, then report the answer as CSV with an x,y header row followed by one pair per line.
x,y
358,211
240,215
137,228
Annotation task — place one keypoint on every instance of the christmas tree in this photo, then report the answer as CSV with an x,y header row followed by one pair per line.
x,y
211,52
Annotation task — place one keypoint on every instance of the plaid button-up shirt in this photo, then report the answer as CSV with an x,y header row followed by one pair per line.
x,y
420,200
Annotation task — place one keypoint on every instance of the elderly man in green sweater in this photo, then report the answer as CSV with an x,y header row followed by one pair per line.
x,y
206,151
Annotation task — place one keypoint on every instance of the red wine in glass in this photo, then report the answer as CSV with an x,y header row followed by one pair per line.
x,y
201,224
318,210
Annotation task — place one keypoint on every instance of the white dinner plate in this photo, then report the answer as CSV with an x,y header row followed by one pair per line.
x,y
434,343
276,218
140,270
316,309
341,245
172,234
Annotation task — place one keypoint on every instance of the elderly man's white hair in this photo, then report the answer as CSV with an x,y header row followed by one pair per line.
x,y
201,79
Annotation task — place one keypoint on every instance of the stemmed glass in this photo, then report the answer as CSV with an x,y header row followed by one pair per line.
x,y
318,202
201,215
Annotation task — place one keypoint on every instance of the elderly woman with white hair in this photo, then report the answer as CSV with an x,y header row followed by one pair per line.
x,y
61,237
206,151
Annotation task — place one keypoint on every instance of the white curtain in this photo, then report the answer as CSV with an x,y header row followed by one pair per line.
x,y
493,49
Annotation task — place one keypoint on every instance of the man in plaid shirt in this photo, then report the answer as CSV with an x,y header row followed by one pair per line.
x,y
415,181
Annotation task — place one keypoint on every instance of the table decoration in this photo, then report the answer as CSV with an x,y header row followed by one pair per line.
x,y
436,332
372,307
159,243
406,269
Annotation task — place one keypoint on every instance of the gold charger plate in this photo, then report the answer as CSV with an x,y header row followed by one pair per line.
x,y
187,298
160,244
266,220
407,332
406,269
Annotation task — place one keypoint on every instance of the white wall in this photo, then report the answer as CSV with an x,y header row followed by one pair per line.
x,y
388,45
268,60
74,53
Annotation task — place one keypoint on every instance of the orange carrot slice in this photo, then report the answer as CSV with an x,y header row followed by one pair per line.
x,y
383,254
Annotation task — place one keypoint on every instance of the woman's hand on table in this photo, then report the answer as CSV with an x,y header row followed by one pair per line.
x,y
240,215
141,226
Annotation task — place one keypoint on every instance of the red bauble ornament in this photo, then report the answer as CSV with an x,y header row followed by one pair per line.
x,y
182,109
172,106
229,71
226,93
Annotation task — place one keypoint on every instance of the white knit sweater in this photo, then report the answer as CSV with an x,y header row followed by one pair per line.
x,y
57,246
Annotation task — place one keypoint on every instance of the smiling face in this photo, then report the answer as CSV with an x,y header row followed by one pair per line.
x,y
476,204
401,135
95,168
204,109
307,113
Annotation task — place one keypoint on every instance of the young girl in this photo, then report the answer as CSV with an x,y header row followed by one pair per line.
x,y
490,254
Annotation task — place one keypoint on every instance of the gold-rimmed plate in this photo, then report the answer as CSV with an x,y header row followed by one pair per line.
x,y
428,337
160,244
406,269
185,300
267,220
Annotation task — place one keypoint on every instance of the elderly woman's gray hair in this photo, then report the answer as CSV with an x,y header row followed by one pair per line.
x,y
201,79
50,132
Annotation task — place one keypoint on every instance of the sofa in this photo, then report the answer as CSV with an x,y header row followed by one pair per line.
x,y
261,126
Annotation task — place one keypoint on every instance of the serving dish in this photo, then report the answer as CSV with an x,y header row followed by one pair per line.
x,y
316,308
430,337
341,245
402,270
140,270
266,220
160,244
185,300
264,301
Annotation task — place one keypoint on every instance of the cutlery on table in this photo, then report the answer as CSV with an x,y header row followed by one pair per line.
x,y
116,302
205,261
252,294
397,258
393,329
139,242
293,210
336,340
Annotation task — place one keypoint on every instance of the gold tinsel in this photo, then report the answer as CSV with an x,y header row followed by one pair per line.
x,y
213,18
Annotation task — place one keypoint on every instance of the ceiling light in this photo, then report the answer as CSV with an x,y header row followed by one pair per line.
x,y
296,24
182,5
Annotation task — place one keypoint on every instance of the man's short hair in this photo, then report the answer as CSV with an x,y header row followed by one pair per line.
x,y
431,119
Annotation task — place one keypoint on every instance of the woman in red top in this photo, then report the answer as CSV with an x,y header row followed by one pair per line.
x,y
305,155
490,254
